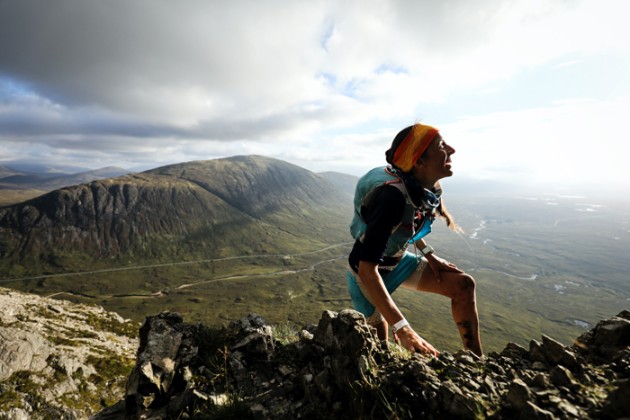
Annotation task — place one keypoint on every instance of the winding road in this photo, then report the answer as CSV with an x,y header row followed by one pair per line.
x,y
187,285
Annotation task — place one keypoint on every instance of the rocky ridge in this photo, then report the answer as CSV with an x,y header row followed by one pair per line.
x,y
60,359
339,369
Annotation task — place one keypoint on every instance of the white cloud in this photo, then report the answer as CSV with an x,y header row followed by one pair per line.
x,y
572,142
318,83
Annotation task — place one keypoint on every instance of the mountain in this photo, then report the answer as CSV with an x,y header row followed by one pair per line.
x,y
48,181
218,208
345,182
6,171
43,168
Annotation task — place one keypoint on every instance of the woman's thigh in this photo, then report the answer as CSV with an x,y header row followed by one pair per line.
x,y
452,283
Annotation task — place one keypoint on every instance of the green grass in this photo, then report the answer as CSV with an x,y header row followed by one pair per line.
x,y
509,309
581,271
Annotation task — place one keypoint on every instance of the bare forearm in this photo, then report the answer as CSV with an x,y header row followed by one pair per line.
x,y
375,288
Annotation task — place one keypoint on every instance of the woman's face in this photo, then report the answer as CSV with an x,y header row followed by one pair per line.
x,y
435,162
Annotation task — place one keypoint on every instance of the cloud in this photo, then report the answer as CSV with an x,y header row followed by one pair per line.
x,y
570,142
313,82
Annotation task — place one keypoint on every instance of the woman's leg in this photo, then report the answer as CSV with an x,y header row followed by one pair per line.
x,y
460,288
364,305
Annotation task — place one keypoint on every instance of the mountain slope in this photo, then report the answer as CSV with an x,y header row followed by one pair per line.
x,y
345,182
244,204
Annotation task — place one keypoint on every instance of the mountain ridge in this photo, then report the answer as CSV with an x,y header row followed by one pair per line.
x,y
340,369
64,360
173,211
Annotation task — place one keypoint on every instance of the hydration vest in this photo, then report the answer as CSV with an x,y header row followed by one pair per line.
x,y
412,217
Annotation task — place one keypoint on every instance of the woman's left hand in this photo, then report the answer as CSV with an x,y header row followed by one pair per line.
x,y
438,265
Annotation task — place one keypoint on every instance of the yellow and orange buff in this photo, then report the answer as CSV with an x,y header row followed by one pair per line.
x,y
413,146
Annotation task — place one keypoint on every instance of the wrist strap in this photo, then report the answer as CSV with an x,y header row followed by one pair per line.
x,y
399,325
427,250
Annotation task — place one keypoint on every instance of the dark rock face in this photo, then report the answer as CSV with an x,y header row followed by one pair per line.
x,y
339,369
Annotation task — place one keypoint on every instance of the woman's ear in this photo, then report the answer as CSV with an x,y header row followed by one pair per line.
x,y
417,170
420,163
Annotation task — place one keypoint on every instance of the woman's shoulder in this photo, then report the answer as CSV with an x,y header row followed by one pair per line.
x,y
389,195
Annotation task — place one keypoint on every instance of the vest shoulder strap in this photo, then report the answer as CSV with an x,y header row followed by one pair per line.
x,y
394,182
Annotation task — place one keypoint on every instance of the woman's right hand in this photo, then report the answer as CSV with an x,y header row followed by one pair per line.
x,y
413,342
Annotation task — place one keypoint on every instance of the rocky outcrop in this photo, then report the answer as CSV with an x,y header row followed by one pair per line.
x,y
59,359
339,369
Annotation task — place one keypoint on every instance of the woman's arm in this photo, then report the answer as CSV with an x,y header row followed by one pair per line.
x,y
436,263
382,300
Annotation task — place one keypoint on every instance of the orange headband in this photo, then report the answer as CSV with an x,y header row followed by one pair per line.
x,y
413,146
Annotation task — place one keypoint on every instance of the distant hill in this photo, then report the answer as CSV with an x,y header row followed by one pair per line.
x,y
47,181
43,168
6,171
223,207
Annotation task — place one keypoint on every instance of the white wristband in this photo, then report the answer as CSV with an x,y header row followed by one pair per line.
x,y
399,325
426,250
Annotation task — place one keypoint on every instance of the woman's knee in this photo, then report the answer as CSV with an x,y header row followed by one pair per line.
x,y
465,286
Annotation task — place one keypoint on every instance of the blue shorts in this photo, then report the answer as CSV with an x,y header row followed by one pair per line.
x,y
407,265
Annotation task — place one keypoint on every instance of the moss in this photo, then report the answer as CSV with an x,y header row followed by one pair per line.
x,y
105,323
85,334
62,341
9,398
16,387
110,366
59,372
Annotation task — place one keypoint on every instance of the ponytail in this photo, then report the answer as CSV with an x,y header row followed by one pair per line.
x,y
443,212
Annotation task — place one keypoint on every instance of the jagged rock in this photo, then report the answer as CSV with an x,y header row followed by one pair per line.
x,y
608,337
514,350
556,353
350,343
553,350
540,381
618,402
532,412
536,352
458,404
518,394
561,376
252,336
337,369
340,369
156,364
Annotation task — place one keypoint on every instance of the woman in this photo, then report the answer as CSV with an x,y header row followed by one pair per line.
x,y
394,207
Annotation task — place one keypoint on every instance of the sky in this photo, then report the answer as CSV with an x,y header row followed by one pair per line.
x,y
526,91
